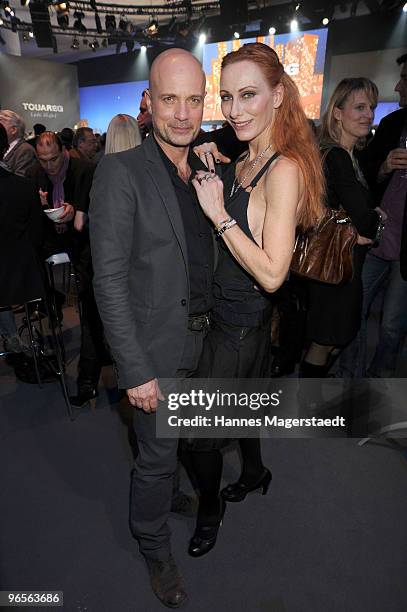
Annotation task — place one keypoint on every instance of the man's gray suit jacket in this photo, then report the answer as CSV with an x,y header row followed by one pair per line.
x,y
140,263
22,158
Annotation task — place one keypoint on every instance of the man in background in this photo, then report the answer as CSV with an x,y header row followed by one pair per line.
x,y
384,163
84,145
144,118
68,181
20,157
38,129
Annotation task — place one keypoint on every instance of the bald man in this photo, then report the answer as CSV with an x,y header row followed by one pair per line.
x,y
153,258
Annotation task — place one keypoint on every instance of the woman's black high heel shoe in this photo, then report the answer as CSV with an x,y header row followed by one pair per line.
x,y
204,538
237,491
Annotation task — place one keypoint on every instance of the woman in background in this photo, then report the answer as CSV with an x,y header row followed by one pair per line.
x,y
334,311
123,133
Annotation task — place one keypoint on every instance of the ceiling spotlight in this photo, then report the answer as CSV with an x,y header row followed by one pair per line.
x,y
325,21
75,43
152,28
405,8
94,45
31,34
236,34
272,31
78,25
294,25
62,15
143,48
202,38
110,23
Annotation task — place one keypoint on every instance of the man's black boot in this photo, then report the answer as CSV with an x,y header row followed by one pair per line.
x,y
167,582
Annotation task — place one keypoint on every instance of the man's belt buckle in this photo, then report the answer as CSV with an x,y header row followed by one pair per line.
x,y
198,323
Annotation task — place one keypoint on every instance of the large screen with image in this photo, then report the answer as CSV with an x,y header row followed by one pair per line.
x,y
301,53
100,103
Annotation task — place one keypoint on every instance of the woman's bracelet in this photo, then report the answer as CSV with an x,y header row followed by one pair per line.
x,y
218,226
225,227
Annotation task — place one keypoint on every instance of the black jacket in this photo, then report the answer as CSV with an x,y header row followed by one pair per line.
x,y
21,233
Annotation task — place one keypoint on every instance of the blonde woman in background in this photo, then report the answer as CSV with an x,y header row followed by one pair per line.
x,y
123,133
334,311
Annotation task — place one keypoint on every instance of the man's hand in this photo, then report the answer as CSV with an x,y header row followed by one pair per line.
x,y
381,213
396,160
209,153
145,396
68,215
43,198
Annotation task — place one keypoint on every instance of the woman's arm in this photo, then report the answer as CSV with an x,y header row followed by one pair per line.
x,y
270,263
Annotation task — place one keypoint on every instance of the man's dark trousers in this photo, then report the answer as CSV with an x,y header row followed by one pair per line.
x,y
155,465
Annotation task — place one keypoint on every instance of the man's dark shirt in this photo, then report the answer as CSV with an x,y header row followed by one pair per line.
x,y
198,235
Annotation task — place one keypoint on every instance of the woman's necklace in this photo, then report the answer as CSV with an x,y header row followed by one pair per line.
x,y
237,185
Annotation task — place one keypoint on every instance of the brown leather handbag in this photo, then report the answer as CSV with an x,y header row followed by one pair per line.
x,y
324,253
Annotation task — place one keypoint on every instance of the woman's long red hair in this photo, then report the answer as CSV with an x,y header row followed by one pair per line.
x,y
291,133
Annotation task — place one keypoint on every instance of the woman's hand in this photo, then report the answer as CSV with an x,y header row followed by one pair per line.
x,y
209,189
209,153
363,241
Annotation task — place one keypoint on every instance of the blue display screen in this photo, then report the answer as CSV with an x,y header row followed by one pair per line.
x,y
383,109
99,104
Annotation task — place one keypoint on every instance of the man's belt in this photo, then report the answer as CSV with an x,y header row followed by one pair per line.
x,y
198,322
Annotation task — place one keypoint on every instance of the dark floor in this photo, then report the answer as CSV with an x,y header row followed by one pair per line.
x,y
330,535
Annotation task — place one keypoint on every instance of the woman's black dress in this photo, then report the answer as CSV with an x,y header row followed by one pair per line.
x,y
239,340
334,311
238,343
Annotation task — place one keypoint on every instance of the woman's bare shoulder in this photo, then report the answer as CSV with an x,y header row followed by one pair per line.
x,y
283,170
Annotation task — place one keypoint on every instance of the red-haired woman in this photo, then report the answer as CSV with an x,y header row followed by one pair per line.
x,y
269,192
